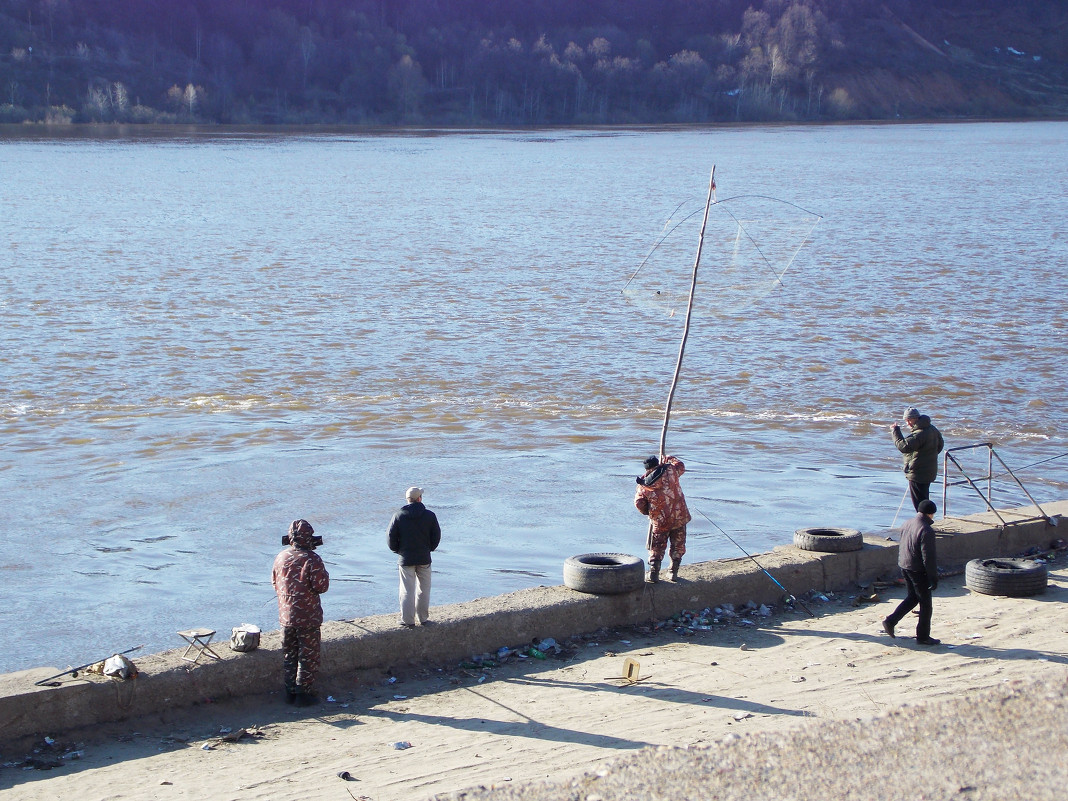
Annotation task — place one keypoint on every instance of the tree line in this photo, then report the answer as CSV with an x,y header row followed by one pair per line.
x,y
524,62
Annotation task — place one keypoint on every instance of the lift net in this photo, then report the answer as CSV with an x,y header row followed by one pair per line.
x,y
750,243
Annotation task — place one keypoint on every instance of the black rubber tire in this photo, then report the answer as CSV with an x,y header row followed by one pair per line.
x,y
828,540
604,573
1016,578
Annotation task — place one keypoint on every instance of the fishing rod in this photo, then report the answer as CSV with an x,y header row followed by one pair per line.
x,y
755,562
689,311
74,670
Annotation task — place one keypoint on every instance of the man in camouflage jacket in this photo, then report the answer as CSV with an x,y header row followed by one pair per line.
x,y
660,497
299,578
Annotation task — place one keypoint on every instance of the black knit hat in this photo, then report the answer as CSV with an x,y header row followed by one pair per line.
x,y
651,462
926,507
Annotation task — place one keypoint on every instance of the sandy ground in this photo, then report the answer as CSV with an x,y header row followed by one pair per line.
x,y
772,701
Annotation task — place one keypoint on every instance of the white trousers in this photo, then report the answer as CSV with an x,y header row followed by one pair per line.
x,y
414,593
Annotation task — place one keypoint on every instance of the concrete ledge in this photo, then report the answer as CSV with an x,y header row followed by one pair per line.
x,y
483,625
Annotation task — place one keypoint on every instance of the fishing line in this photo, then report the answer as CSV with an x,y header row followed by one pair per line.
x,y
742,228
766,573
899,507
662,239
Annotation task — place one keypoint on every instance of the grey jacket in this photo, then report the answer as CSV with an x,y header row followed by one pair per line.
x,y
920,448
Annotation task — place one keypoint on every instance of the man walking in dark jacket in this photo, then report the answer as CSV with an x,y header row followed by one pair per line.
x,y
919,564
920,451
413,533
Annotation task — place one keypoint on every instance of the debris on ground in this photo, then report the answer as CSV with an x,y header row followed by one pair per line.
x,y
49,753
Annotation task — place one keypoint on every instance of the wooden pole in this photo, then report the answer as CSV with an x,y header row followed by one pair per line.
x,y
689,312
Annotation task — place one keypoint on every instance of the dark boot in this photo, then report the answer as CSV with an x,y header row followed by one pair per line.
x,y
291,697
654,570
675,569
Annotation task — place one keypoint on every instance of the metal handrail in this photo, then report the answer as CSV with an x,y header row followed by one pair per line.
x,y
989,477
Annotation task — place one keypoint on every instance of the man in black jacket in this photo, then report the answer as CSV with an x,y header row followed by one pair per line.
x,y
920,451
919,564
413,533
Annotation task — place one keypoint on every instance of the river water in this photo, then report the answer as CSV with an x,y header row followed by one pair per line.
x,y
209,333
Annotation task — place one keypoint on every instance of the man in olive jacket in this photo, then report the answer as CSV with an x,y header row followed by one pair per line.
x,y
920,449
919,565
413,533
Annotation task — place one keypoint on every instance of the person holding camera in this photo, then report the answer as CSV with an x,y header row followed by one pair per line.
x,y
413,533
299,578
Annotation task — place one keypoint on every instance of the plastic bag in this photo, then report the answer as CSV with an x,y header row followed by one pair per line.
x,y
245,637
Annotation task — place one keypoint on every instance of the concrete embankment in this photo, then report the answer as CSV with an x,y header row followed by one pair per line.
x,y
375,644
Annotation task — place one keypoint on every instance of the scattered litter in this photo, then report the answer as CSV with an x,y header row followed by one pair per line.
x,y
400,697
345,776
631,671
742,715
401,745
744,647
797,679
330,699
391,680
73,755
867,597
207,747
225,730
481,679
49,740
973,636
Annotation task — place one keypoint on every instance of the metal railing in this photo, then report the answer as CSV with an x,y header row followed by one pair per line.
x,y
988,496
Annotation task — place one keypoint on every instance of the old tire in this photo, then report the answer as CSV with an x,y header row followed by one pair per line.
x,y
828,540
604,573
1016,578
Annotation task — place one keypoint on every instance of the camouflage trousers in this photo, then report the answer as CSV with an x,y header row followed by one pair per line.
x,y
300,657
658,544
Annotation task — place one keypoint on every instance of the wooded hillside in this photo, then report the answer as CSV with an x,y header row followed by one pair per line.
x,y
528,62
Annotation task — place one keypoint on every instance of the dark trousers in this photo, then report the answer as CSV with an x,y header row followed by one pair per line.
x,y
919,492
300,657
919,593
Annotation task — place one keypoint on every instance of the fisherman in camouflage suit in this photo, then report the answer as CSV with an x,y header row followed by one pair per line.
x,y
299,578
660,497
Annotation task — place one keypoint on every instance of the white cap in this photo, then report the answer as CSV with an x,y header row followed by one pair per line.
x,y
414,494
